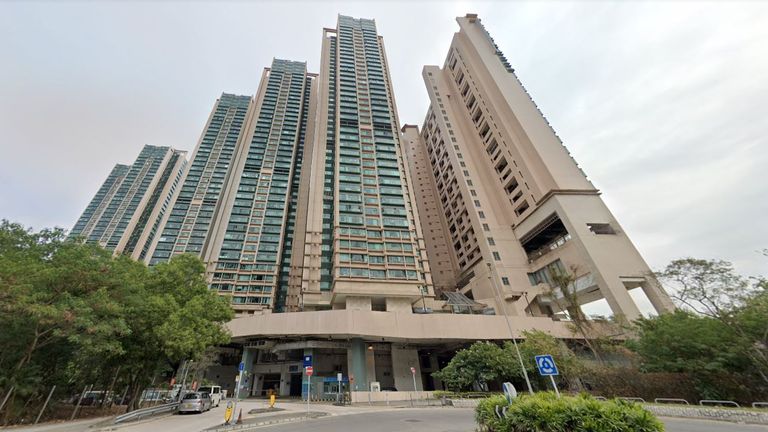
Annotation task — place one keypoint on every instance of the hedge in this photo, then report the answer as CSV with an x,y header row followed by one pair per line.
x,y
545,412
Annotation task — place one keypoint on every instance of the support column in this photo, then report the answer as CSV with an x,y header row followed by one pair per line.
x,y
657,296
621,303
435,366
370,366
356,365
248,357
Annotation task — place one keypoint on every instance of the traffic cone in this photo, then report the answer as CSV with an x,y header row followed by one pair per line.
x,y
240,417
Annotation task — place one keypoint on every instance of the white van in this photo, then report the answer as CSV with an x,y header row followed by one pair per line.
x,y
214,391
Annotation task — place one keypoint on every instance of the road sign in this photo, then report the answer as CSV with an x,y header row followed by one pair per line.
x,y
546,365
241,367
339,377
413,370
309,370
509,391
307,360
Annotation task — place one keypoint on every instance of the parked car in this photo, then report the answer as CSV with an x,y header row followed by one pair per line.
x,y
214,392
195,402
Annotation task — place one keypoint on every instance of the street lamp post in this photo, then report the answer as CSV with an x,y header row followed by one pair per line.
x,y
497,291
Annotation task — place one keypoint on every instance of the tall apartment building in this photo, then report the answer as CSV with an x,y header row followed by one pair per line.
x,y
507,203
187,227
127,210
362,245
249,253
372,252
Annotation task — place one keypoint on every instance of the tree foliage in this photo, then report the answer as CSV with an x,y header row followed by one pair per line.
x,y
712,289
71,313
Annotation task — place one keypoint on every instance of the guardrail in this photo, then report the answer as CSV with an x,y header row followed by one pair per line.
x,y
146,412
671,401
759,404
632,399
714,402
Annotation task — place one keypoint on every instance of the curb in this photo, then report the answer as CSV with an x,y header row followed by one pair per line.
x,y
267,422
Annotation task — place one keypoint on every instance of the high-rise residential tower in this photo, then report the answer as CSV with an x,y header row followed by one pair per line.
x,y
374,251
508,204
187,226
362,246
249,253
126,211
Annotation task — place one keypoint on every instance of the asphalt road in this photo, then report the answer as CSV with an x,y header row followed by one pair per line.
x,y
462,420
382,420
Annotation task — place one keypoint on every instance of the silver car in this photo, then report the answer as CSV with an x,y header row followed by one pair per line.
x,y
195,402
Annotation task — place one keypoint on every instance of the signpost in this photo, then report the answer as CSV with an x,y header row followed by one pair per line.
x,y
241,368
309,370
546,365
413,375
339,378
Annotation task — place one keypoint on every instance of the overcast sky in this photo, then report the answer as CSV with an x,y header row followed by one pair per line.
x,y
664,105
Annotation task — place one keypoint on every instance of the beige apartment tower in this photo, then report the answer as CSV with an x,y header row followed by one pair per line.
x,y
504,202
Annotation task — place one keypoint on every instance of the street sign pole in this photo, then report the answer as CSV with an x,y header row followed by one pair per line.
x,y
547,367
497,292
552,378
309,372
237,388
413,374
339,378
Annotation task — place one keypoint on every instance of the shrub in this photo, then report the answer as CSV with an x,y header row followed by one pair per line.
x,y
545,412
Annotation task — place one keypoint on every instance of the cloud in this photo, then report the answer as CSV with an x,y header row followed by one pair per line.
x,y
662,104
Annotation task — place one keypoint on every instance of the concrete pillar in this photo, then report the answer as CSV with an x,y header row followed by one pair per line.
x,y
356,365
657,296
402,361
249,354
370,365
621,303
435,366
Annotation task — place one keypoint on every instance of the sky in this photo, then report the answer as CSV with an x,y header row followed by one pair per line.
x,y
663,104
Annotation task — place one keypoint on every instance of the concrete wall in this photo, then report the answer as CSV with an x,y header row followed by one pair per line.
x,y
403,359
388,396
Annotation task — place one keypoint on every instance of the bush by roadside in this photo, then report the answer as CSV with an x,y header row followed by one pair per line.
x,y
545,412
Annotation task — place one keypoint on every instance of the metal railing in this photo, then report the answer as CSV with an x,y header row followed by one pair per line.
x,y
146,412
759,404
714,402
632,399
671,401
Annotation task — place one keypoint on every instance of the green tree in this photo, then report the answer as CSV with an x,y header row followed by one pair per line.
x,y
71,313
712,289
478,364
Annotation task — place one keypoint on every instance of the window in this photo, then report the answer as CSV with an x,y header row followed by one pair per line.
x,y
486,227
496,256
491,241
601,228
505,281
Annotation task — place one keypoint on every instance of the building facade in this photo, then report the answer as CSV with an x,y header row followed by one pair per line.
x,y
128,208
512,206
186,228
249,252
369,250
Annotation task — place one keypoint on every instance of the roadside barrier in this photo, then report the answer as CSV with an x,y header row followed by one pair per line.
x,y
714,402
146,412
671,401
